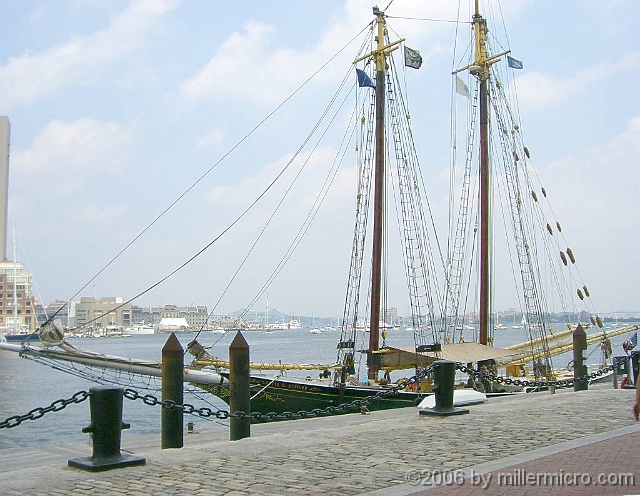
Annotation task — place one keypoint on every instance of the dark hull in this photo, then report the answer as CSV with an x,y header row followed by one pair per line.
x,y
19,338
281,396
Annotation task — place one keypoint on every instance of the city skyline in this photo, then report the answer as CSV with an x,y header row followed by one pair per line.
x,y
116,109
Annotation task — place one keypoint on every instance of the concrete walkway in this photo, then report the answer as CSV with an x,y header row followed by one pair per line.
x,y
515,444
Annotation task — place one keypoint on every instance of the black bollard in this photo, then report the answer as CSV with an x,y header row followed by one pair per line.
x,y
172,389
444,376
635,366
239,391
106,423
579,369
618,369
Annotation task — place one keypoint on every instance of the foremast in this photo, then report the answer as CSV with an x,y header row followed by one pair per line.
x,y
379,56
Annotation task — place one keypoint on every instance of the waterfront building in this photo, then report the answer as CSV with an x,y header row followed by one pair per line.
x,y
196,317
105,312
17,305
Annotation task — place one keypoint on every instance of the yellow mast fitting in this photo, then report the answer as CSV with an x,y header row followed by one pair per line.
x,y
270,366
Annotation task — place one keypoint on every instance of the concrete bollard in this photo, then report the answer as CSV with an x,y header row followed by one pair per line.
x,y
239,389
579,369
444,376
172,389
106,423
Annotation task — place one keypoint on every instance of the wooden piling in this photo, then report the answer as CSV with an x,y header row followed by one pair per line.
x,y
172,389
239,392
579,368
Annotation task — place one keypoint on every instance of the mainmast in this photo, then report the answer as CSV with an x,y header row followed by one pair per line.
x,y
380,58
480,69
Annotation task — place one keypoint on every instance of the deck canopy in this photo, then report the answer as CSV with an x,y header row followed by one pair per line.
x,y
405,357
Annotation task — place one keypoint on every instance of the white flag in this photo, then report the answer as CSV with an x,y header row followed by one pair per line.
x,y
461,87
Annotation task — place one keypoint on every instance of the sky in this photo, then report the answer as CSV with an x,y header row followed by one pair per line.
x,y
118,108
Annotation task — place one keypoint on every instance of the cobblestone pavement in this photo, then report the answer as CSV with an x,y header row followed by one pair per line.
x,y
350,454
604,467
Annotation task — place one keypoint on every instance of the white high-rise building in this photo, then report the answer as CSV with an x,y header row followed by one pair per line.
x,y
5,136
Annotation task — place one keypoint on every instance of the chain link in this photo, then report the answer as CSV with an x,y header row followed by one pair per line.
x,y
39,412
149,399
525,383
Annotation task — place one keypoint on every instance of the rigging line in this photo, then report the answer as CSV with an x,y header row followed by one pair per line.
x,y
429,19
33,279
310,216
504,25
571,275
409,133
453,131
231,150
207,246
324,114
505,203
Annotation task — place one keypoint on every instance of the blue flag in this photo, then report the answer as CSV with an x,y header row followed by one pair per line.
x,y
364,80
513,63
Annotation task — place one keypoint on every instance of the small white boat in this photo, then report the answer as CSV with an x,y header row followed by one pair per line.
x,y
140,329
461,397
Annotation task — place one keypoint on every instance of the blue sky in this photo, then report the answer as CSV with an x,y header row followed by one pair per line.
x,y
118,107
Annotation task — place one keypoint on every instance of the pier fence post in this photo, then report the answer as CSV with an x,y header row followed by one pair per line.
x,y
239,389
635,366
172,389
620,366
579,368
106,424
444,376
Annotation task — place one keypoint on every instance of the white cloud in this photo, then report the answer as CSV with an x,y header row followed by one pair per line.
x,y
304,193
237,68
94,214
212,139
538,90
30,77
64,154
252,63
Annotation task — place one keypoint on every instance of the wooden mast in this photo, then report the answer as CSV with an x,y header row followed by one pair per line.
x,y
380,58
481,71
378,200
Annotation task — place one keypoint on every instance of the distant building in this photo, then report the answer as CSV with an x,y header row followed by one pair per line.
x,y
17,305
5,138
173,324
196,317
60,309
391,316
105,312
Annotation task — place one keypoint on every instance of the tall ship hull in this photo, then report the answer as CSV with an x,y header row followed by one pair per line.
x,y
270,395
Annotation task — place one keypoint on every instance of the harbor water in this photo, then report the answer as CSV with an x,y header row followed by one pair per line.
x,y
25,384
